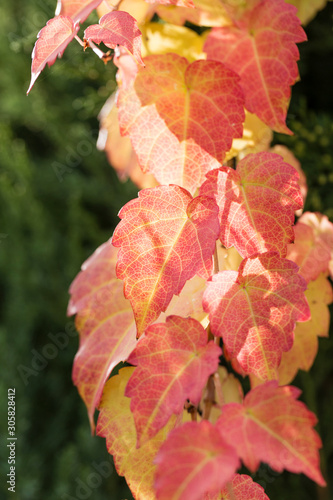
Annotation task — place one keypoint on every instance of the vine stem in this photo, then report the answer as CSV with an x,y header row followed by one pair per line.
x,y
104,56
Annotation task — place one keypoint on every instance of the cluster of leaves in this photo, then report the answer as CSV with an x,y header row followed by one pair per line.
x,y
220,238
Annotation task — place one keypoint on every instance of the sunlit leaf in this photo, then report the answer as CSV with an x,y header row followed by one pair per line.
x,y
78,10
307,9
51,43
117,28
255,311
256,203
273,427
166,238
241,487
105,321
168,359
262,50
193,461
181,117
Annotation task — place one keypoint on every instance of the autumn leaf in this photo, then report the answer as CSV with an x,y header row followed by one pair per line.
x,y
273,427
194,460
262,49
307,9
166,238
255,311
78,10
304,350
256,203
206,13
189,302
116,424
309,251
105,321
139,9
117,28
51,43
181,117
118,149
242,487
181,3
168,359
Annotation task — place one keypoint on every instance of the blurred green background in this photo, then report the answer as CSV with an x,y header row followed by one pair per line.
x,y
59,200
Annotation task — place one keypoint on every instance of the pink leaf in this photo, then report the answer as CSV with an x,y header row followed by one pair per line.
x,y
256,203
117,28
166,238
168,359
105,321
255,311
180,3
262,49
78,10
241,487
271,426
181,117
51,43
193,461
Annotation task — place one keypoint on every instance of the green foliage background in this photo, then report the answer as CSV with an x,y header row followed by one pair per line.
x,y
59,200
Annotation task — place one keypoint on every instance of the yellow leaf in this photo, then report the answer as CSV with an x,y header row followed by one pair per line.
x,y
305,347
229,259
116,424
307,9
163,38
139,9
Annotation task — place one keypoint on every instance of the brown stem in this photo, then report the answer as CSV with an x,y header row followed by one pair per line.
x,y
218,390
104,56
209,399
216,262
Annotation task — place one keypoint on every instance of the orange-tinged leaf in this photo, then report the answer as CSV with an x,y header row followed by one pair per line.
x,y
255,311
105,321
310,252
116,424
189,302
166,238
181,117
168,359
262,49
118,149
78,10
117,28
206,13
273,427
51,43
193,461
139,9
242,487
304,350
181,3
256,203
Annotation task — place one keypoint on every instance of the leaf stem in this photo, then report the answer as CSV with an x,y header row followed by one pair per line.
x,y
209,400
104,56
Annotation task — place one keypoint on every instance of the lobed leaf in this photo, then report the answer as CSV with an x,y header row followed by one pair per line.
x,y
261,48
116,424
78,10
255,311
256,203
305,347
169,359
181,117
117,28
193,461
166,238
105,321
242,487
271,426
51,43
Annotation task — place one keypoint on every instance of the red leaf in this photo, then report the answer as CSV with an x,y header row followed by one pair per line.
x,y
262,49
241,487
169,359
166,237
78,10
181,117
105,322
256,203
255,310
117,28
323,230
271,426
193,461
309,251
51,43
